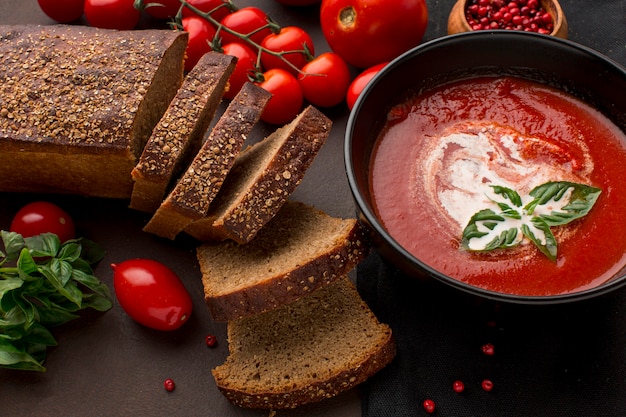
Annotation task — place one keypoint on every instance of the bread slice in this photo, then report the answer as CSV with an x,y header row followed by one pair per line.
x,y
180,131
262,178
297,252
77,105
304,352
190,198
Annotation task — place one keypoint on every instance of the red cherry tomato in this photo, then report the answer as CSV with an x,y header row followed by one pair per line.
x,y
250,21
42,217
201,33
368,32
245,66
151,294
286,100
289,38
359,83
63,11
162,9
325,80
219,7
112,14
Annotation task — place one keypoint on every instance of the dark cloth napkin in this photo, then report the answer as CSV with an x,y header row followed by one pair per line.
x,y
562,360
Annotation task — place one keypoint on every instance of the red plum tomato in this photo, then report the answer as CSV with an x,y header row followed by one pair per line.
x,y
151,294
218,8
201,33
325,80
367,32
244,68
286,100
63,11
250,21
358,84
43,217
296,47
112,14
162,9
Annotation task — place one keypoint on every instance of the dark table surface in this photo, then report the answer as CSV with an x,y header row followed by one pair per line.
x,y
106,365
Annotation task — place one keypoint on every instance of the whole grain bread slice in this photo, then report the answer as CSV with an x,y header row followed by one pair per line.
x,y
263,176
190,198
300,250
77,105
179,134
315,348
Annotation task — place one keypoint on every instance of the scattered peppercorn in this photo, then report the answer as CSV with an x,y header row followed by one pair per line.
x,y
486,385
458,386
525,15
429,406
210,340
488,349
169,385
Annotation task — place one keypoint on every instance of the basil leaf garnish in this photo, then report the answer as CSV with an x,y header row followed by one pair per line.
x,y
554,203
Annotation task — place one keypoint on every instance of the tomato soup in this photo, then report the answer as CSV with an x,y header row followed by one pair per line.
x,y
440,151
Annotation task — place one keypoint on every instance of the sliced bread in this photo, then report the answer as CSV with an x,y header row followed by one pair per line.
x,y
262,178
179,134
190,198
297,252
304,352
77,105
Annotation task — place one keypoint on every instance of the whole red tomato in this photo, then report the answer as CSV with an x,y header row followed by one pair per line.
x,y
63,11
367,32
43,217
244,68
162,9
151,294
112,14
289,38
218,8
286,101
250,21
201,33
359,83
325,80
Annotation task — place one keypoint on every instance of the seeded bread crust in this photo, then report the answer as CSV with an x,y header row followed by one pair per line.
x,y
77,105
263,176
301,250
304,352
190,198
178,135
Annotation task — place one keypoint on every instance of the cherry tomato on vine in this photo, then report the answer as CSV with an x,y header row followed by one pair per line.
x,y
289,38
162,9
206,6
367,32
358,84
151,294
325,80
250,21
286,100
245,66
63,11
43,217
112,14
201,33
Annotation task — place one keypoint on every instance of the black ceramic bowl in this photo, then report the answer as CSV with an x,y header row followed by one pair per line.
x,y
566,65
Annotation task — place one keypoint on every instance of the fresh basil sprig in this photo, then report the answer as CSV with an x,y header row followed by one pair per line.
x,y
488,230
43,284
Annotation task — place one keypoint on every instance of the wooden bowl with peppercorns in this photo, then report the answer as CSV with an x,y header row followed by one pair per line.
x,y
540,16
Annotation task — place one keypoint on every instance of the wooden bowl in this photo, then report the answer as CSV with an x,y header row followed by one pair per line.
x,y
457,22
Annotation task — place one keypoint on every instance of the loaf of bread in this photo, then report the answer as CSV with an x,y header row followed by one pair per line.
x,y
179,134
190,198
312,349
77,105
263,176
297,252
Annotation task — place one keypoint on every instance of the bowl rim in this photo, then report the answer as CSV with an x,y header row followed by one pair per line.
x,y
367,215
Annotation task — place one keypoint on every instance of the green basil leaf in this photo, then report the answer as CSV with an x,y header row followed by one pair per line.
x,y
508,194
97,302
9,284
13,244
26,264
13,357
68,291
91,252
487,224
506,239
43,245
69,252
580,202
541,235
